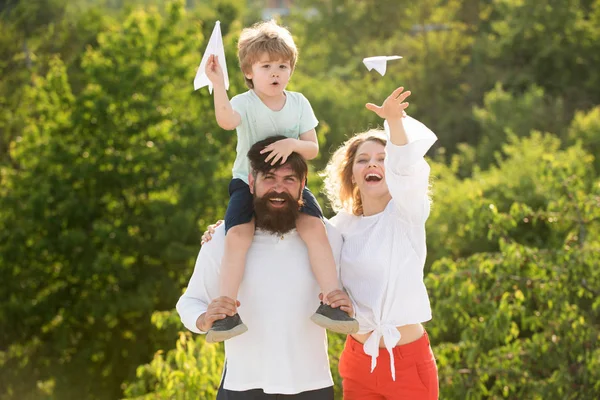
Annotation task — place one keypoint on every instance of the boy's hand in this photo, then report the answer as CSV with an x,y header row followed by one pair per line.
x,y
214,71
393,107
280,150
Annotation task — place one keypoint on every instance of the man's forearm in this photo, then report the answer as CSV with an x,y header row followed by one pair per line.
x,y
189,307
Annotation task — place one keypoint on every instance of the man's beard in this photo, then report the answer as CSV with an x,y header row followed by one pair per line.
x,y
276,220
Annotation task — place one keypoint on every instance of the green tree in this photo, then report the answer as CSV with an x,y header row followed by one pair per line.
x,y
334,36
521,321
31,34
553,44
100,218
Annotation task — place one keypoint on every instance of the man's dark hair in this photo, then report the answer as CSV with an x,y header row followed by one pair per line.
x,y
258,164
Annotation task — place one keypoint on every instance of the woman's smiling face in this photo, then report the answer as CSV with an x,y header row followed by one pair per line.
x,y
368,170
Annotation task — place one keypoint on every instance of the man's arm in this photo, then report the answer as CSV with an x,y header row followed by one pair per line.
x,y
201,289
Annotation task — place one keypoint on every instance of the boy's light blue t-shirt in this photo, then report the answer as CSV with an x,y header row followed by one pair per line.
x,y
259,122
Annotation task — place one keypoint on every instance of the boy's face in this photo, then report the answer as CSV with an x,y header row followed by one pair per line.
x,y
270,77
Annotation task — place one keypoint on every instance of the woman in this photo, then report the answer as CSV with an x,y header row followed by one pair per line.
x,y
378,182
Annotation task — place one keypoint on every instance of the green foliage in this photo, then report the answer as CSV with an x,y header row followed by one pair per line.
x,y
553,44
515,290
503,114
194,368
585,129
101,215
334,37
190,371
521,322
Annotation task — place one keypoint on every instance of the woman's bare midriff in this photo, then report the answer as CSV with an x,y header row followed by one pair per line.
x,y
408,334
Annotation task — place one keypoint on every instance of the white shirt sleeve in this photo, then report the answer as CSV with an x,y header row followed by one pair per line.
x,y
407,172
202,287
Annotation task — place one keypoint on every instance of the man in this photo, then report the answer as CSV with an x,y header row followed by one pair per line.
x,y
283,354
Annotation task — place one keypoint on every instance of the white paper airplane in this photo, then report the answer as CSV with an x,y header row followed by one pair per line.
x,y
379,63
215,46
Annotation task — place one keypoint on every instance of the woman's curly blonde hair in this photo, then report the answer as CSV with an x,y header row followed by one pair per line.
x,y
341,191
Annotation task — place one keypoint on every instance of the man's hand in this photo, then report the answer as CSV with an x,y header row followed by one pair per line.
x,y
214,72
393,107
218,309
339,298
281,149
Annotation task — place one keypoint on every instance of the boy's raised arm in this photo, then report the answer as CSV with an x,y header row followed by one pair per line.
x,y
226,116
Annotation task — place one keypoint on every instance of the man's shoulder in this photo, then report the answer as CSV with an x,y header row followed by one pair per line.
x,y
330,226
341,219
333,233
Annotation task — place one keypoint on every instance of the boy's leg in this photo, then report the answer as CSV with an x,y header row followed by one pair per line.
x,y
237,242
312,230
239,231
313,233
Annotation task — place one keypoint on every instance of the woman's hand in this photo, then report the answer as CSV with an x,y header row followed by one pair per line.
x,y
207,235
393,107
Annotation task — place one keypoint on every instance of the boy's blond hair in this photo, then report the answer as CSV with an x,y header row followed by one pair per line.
x,y
265,37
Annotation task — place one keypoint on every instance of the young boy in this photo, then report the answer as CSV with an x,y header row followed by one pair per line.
x,y
267,55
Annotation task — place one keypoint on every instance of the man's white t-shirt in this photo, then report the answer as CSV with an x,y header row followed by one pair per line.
x,y
283,351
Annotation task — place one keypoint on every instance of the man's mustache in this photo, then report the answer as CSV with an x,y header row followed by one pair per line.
x,y
277,220
279,195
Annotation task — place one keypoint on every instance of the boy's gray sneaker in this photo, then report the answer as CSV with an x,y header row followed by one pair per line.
x,y
225,328
334,320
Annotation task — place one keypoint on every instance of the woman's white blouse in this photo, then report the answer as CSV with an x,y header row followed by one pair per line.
x,y
384,254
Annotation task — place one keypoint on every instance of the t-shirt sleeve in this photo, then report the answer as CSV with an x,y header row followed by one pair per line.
x,y
308,120
239,104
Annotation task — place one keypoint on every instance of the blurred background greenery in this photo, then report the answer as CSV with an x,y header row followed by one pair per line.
x,y
111,167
